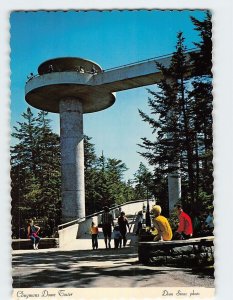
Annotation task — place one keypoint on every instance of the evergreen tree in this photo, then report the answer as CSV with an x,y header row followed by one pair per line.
x,y
25,152
181,119
143,183
91,176
104,180
102,196
35,173
202,59
115,169
110,186
173,145
23,169
129,191
202,105
49,163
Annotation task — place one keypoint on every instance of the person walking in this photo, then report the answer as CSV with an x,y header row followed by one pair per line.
x,y
139,221
161,224
94,235
32,233
123,224
185,228
107,223
117,237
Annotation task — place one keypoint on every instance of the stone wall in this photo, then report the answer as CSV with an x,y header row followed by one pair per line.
x,y
26,244
198,253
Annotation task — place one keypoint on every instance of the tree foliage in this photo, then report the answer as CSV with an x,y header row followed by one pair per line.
x,y
108,186
35,173
181,120
36,177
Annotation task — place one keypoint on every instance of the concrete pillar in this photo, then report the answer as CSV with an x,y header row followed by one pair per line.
x,y
174,188
72,159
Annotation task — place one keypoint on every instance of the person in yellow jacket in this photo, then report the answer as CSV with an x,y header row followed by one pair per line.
x,y
161,224
94,235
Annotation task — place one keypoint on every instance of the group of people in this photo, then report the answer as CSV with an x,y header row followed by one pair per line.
x,y
81,70
30,76
119,230
186,229
161,223
203,223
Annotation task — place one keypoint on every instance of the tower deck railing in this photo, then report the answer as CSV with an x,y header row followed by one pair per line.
x,y
126,65
150,59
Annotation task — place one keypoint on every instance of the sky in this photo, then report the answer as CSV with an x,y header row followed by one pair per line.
x,y
223,90
110,39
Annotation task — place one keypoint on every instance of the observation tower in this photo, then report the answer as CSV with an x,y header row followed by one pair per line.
x,y
72,86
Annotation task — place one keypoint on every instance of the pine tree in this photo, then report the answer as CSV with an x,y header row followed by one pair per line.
x,y
23,170
115,169
170,120
26,151
91,176
36,178
202,105
143,182
107,184
35,173
181,119
202,59
49,169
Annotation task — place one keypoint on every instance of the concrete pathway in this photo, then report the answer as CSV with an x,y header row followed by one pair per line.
x,y
55,268
78,266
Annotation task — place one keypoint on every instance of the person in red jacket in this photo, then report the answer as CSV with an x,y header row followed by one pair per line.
x,y
185,228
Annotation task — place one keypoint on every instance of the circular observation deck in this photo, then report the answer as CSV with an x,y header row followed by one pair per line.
x,y
63,64
67,77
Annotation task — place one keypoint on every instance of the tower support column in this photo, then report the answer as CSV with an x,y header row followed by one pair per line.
x,y
72,159
174,188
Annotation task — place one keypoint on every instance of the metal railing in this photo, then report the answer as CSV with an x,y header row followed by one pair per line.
x,y
121,66
79,220
149,59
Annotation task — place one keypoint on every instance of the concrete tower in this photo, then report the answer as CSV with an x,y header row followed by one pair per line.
x,y
73,86
62,87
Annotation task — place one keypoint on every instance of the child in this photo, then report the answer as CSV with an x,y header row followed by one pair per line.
x,y
117,237
94,235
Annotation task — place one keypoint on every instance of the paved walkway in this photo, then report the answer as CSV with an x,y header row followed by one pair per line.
x,y
55,268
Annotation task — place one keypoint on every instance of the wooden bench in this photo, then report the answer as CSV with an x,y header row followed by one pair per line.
x,y
26,244
195,251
